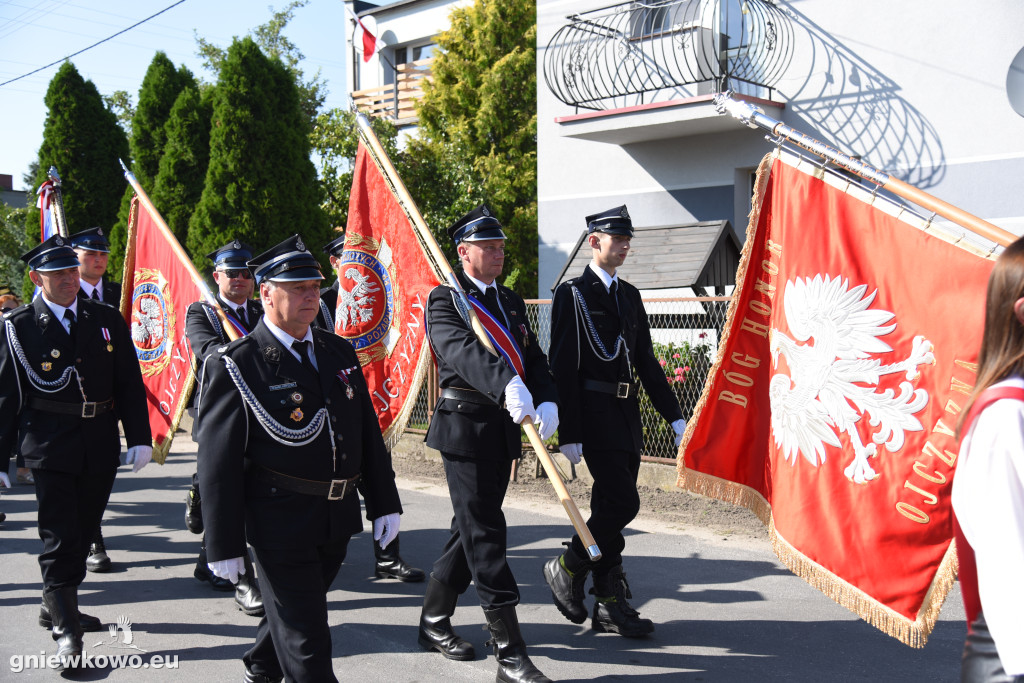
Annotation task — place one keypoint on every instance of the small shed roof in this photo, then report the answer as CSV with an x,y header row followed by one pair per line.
x,y
695,255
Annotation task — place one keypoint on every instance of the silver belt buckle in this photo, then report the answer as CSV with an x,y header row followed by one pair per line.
x,y
622,390
88,409
335,482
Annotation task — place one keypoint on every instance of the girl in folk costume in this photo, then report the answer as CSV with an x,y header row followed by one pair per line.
x,y
988,491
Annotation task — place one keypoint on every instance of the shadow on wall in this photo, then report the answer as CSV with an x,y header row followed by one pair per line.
x,y
858,109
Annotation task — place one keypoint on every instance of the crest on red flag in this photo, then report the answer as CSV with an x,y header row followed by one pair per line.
x,y
381,307
830,410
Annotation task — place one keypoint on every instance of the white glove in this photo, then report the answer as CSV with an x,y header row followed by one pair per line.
x,y
385,528
5,480
228,569
139,456
547,420
519,401
679,426
572,451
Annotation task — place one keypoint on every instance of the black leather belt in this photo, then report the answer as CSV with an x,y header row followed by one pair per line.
x,y
336,489
467,395
616,389
87,409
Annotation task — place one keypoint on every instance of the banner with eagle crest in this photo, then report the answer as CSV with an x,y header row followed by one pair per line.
x,y
384,277
850,346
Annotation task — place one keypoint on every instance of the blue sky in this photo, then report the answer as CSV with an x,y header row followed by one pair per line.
x,y
36,32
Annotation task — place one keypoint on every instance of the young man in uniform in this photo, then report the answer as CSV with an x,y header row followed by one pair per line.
x,y
205,333
286,433
68,374
476,428
600,348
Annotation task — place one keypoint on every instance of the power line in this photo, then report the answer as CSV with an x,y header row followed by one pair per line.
x,y
139,23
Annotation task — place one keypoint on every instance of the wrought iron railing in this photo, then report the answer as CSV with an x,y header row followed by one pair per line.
x,y
652,50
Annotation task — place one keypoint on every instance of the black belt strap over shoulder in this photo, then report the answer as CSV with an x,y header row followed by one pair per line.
x,y
336,489
467,395
85,410
616,389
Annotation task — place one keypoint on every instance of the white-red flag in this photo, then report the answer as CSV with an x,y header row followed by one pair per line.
x,y
365,36
850,346
45,203
384,278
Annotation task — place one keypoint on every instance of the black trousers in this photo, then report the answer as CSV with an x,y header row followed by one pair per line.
x,y
70,509
476,547
614,503
293,638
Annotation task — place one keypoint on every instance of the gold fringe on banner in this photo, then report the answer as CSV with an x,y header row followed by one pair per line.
x,y
394,431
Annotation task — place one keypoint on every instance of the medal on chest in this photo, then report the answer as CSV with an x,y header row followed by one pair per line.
x,y
106,335
350,393
296,415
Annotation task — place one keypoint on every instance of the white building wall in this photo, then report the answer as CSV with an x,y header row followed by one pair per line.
x,y
916,88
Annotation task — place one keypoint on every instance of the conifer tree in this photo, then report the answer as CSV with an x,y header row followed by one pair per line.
x,y
260,184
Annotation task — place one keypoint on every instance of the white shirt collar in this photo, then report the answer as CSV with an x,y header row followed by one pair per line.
x,y
231,305
605,278
58,310
89,288
287,339
479,284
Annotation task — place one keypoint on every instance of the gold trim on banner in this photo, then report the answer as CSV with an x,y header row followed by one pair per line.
x,y
394,431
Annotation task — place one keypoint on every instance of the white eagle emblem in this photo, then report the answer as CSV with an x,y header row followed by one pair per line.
x,y
149,324
356,305
835,379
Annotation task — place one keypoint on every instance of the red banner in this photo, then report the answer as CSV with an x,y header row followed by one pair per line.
x,y
850,346
157,290
381,307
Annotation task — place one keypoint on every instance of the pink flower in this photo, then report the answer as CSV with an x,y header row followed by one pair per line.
x,y
680,371
686,368
671,380
676,356
663,362
702,335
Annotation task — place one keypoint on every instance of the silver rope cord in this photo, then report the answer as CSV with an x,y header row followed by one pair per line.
x,y
49,387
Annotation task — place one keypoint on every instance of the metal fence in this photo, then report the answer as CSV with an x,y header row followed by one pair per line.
x,y
685,331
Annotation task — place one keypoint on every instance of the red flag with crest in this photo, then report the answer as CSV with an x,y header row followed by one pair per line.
x,y
384,277
850,346
158,289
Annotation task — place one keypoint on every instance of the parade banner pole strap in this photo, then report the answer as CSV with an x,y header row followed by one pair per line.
x,y
831,407
380,157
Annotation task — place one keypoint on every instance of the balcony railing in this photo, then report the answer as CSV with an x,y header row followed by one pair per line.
x,y
653,49
396,100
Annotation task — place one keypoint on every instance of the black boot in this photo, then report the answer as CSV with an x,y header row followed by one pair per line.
x,y
98,561
390,564
88,623
514,665
612,614
193,510
247,592
435,623
566,576
203,573
63,607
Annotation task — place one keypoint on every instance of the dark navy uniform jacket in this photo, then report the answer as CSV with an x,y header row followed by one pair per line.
x,y
477,430
205,331
62,442
111,293
328,301
233,445
600,421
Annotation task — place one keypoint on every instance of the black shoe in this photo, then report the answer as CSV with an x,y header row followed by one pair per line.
x,y
390,564
514,665
89,624
612,614
566,575
247,592
435,623
250,677
98,561
193,511
203,573
62,604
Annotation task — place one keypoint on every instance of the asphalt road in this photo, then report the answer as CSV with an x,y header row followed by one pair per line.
x,y
724,611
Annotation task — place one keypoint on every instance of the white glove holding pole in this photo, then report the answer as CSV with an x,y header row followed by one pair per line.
x,y
5,480
385,529
547,420
519,401
679,426
138,457
572,451
228,569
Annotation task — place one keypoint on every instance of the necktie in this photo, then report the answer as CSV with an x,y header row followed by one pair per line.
x,y
242,318
492,305
613,292
302,348
96,294
69,316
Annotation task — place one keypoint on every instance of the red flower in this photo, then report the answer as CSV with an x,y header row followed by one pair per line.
x,y
663,362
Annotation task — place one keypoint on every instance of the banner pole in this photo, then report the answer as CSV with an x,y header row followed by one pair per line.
x,y
179,252
381,158
754,117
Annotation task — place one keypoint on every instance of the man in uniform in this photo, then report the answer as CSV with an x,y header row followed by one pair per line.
x,y
93,251
286,433
68,373
476,428
600,346
389,564
205,333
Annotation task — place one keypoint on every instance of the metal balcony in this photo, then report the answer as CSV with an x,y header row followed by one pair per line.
x,y
650,50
